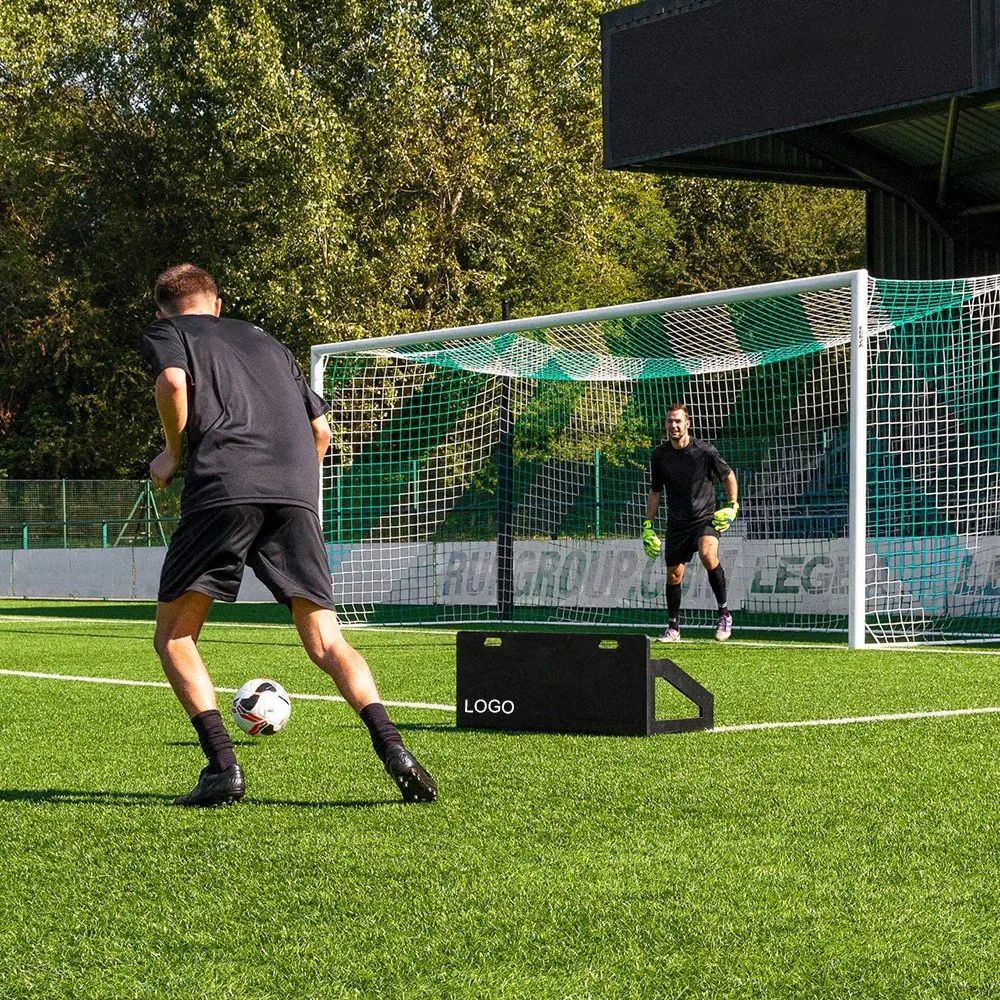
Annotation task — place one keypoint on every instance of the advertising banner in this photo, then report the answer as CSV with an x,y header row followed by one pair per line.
x,y
799,576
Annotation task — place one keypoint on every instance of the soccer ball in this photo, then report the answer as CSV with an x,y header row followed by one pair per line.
x,y
261,707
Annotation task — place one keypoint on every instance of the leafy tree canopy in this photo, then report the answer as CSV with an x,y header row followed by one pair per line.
x,y
344,169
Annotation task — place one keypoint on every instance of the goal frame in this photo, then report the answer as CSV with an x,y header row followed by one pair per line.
x,y
856,280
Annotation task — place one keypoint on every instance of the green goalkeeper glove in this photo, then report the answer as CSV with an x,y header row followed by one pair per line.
x,y
650,540
724,517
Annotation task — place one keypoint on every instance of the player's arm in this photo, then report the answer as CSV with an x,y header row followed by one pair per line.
x,y
652,504
725,516
650,540
731,487
171,393
322,435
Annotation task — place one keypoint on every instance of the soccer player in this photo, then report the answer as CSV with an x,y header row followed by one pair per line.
x,y
684,467
256,434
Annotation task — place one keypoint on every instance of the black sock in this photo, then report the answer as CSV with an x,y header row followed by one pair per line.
x,y
215,740
383,733
717,579
674,602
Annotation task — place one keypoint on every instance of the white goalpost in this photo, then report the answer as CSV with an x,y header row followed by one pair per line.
x,y
498,472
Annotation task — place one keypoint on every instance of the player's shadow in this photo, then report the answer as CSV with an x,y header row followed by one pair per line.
x,y
78,796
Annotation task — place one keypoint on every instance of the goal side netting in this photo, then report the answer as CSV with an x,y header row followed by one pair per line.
x,y
500,472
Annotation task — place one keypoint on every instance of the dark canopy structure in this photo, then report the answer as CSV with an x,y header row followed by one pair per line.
x,y
898,97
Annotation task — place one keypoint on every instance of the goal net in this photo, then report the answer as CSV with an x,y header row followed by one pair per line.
x,y
499,472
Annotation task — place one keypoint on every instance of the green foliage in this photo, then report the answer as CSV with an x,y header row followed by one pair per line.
x,y
732,233
345,170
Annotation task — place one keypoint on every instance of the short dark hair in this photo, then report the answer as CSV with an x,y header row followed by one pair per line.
x,y
678,406
180,282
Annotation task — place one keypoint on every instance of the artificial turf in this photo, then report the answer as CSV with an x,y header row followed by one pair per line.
x,y
831,861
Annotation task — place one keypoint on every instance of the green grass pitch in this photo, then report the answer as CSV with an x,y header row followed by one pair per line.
x,y
836,861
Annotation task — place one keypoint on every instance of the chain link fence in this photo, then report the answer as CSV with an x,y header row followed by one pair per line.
x,y
74,513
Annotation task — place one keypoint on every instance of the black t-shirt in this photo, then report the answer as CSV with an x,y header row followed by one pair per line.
x,y
249,411
685,474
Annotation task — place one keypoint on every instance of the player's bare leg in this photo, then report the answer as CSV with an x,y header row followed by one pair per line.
x,y
708,552
178,625
322,639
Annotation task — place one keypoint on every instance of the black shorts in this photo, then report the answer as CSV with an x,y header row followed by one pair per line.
x,y
283,545
684,544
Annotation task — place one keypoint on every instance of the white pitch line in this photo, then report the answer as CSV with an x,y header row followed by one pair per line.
x,y
430,706
941,649
899,717
46,619
163,684
965,649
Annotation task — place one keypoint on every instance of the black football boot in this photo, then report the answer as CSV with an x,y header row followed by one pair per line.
x,y
414,782
222,788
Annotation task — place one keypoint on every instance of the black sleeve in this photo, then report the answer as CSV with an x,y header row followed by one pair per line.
x,y
655,473
717,463
162,347
315,405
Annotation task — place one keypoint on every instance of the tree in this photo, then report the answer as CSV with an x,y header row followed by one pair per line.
x,y
344,169
732,233
133,140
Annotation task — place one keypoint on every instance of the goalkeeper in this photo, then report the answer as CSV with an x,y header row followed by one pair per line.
x,y
684,467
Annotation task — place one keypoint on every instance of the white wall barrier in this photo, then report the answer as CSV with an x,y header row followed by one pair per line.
x,y
115,574
950,574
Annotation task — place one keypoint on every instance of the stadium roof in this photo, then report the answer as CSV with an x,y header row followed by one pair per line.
x,y
897,95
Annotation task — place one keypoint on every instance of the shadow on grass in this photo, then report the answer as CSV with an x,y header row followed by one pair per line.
x,y
419,726
63,634
394,647
77,796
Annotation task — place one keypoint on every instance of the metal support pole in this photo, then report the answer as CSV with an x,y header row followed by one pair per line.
x,y
947,151
859,460
414,495
65,533
505,498
317,367
143,493
597,494
337,504
155,517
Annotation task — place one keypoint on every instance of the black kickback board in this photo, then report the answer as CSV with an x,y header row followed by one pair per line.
x,y
568,683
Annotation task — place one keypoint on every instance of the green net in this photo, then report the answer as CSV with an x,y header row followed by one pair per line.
x,y
542,430
933,454
415,496
650,347
501,472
